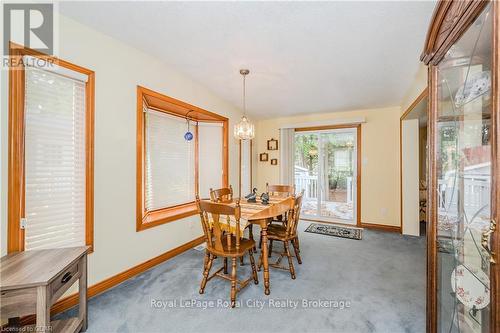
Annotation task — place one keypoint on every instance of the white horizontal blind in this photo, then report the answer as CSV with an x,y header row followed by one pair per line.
x,y
170,171
34,62
54,160
210,147
246,160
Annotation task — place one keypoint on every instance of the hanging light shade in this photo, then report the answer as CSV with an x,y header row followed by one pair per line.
x,y
244,130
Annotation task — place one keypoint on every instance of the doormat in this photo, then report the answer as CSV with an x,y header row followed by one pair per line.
x,y
335,230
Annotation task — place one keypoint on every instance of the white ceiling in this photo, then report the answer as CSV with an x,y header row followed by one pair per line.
x,y
303,56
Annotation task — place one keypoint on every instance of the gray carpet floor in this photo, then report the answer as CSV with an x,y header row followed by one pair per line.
x,y
372,285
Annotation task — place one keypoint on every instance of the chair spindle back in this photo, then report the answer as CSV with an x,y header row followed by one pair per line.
x,y
222,194
294,215
280,190
210,214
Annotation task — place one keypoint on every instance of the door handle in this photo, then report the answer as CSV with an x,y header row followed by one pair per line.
x,y
485,240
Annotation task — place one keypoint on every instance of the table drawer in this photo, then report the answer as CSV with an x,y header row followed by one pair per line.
x,y
18,302
65,280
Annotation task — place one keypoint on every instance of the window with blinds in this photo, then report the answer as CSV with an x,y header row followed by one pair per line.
x,y
172,171
169,162
246,166
210,157
55,159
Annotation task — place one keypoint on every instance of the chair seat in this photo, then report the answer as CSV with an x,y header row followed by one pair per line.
x,y
230,250
276,228
280,219
276,231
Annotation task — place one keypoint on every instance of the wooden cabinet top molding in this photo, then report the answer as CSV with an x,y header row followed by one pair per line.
x,y
449,21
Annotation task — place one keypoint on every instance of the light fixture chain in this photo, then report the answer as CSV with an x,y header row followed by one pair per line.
x,y
244,96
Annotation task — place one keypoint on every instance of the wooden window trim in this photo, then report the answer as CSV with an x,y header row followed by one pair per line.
x,y
162,103
15,235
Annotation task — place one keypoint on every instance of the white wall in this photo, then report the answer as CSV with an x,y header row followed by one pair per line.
x,y
419,83
410,180
119,69
379,154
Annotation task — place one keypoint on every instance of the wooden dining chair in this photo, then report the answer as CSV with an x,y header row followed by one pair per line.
x,y
222,194
287,234
279,191
224,244
225,194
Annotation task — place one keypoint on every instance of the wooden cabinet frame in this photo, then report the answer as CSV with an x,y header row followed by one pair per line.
x,y
450,20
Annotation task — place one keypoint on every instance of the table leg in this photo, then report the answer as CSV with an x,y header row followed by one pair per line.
x,y
43,309
250,235
265,258
82,293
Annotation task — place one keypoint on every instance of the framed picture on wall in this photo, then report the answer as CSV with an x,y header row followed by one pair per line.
x,y
274,161
264,157
272,144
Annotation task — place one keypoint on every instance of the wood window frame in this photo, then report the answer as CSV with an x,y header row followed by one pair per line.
x,y
16,172
162,103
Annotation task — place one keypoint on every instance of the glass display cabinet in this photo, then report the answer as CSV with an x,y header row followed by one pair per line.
x,y
462,242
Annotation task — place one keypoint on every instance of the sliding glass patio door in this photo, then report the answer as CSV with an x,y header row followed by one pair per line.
x,y
325,168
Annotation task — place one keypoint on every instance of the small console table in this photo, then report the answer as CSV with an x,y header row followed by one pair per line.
x,y
31,281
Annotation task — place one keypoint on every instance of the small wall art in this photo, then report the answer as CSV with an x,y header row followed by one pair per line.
x,y
272,144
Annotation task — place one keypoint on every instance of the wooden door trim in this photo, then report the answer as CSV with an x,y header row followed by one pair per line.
x,y
327,127
357,126
15,235
225,153
358,175
417,100
423,94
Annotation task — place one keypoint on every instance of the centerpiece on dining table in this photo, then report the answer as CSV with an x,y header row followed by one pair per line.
x,y
252,197
264,198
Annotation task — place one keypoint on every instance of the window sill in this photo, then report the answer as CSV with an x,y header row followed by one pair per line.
x,y
166,215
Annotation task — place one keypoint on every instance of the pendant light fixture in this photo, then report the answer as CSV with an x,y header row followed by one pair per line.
x,y
244,130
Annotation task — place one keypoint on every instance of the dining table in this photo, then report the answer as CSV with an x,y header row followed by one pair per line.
x,y
262,214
